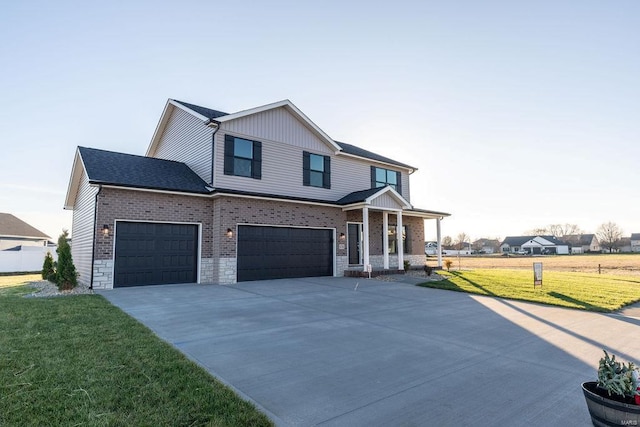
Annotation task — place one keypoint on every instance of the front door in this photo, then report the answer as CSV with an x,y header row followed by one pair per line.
x,y
355,236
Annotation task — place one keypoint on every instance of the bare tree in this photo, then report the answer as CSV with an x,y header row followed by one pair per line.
x,y
557,230
447,242
609,235
462,239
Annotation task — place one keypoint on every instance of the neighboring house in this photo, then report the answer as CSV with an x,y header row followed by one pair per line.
x,y
15,232
582,243
262,193
623,245
635,242
22,246
486,246
545,245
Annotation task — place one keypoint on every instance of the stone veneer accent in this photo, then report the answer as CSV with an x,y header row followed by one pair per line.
x,y
206,270
342,263
227,269
103,274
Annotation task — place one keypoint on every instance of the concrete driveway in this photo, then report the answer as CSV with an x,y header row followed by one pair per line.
x,y
318,351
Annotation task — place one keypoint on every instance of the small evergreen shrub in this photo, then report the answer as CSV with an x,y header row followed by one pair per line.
x,y
66,275
428,270
48,268
407,265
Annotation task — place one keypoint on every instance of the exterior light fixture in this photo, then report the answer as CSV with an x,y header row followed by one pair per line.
x,y
342,236
229,233
105,230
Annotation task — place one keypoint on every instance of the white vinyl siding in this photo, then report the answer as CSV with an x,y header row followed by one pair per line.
x,y
82,229
284,139
186,139
278,125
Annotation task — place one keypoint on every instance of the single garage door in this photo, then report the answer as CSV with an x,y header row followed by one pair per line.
x,y
155,254
282,252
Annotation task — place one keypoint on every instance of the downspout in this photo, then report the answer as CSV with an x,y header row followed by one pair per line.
x,y
95,226
213,145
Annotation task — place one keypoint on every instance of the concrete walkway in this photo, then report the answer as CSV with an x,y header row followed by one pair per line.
x,y
358,352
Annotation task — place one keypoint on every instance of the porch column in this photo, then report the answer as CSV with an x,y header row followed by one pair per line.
x,y
365,237
399,244
385,239
439,239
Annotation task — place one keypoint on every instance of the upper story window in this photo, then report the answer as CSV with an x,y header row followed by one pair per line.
x,y
242,157
316,170
381,177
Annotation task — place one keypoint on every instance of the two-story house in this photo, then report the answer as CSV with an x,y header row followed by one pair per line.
x,y
262,193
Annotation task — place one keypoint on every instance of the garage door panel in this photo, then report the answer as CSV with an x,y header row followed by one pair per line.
x,y
283,252
155,253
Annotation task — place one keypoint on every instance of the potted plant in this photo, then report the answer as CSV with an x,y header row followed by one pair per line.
x,y
614,400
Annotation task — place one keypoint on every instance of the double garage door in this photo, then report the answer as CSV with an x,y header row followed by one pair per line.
x,y
162,253
283,252
155,254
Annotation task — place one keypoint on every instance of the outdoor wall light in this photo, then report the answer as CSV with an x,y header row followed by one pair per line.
x,y
105,230
229,233
342,236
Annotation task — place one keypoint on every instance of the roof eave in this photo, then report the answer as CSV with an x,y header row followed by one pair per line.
x,y
408,168
74,181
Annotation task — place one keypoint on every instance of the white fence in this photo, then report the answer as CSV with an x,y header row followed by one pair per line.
x,y
30,258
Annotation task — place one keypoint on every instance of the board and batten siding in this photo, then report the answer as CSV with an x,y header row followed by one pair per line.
x,y
283,142
82,230
278,125
186,139
385,201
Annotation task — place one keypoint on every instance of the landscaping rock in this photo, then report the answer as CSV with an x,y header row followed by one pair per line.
x,y
44,288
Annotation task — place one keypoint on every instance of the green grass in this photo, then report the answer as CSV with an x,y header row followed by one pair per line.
x,y
593,292
78,360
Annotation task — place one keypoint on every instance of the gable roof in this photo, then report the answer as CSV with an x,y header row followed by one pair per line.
x,y
520,240
208,115
635,236
11,226
579,239
128,170
367,197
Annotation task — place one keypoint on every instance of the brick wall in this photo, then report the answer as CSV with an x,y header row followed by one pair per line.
x,y
147,206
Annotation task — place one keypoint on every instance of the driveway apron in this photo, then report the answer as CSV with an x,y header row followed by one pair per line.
x,y
357,352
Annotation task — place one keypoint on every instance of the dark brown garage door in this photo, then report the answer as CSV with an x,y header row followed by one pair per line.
x,y
155,254
282,252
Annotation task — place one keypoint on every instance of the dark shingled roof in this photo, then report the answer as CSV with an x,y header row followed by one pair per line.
x,y
128,170
13,226
207,112
578,239
346,148
360,152
358,196
635,236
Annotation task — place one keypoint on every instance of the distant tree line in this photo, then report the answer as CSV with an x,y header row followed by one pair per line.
x,y
609,235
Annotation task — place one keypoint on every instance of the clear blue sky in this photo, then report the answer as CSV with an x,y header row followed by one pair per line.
x,y
517,114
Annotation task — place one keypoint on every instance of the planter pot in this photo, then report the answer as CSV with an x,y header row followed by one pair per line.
x,y
608,412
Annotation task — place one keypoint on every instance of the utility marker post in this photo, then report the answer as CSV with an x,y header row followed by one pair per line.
x,y
537,274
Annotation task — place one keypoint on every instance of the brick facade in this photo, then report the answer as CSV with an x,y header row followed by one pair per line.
x,y
216,215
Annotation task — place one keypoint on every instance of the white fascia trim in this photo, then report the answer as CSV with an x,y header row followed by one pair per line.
x,y
74,181
274,199
368,160
4,236
425,215
371,208
291,108
401,200
162,124
148,190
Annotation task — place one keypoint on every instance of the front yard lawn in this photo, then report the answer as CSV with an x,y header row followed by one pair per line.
x,y
79,360
585,291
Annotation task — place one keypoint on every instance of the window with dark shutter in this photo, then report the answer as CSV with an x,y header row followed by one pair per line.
x,y
242,157
316,170
381,177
